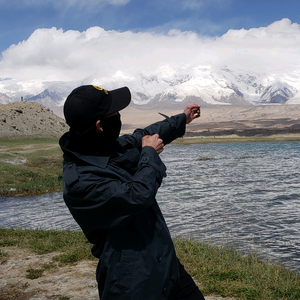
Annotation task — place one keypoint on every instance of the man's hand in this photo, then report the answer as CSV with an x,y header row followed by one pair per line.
x,y
153,141
192,112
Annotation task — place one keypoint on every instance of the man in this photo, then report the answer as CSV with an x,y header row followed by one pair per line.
x,y
109,186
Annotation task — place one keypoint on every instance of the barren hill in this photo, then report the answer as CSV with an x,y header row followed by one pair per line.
x,y
26,119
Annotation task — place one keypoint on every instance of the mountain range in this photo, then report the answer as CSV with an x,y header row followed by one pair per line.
x,y
169,86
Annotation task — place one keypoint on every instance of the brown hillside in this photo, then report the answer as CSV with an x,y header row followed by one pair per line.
x,y
28,119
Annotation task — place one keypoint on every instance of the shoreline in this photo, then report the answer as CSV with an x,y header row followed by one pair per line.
x,y
193,138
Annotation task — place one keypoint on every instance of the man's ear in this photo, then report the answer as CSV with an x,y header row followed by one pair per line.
x,y
99,128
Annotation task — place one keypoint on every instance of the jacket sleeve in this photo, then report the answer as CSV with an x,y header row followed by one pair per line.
x,y
104,201
168,130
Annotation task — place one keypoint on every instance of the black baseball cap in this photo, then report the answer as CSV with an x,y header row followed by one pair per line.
x,y
89,103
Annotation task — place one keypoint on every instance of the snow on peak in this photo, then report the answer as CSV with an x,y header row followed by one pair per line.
x,y
169,83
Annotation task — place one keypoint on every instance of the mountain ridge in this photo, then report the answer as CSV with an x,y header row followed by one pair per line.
x,y
171,85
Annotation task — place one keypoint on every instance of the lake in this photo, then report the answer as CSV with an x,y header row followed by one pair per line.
x,y
241,195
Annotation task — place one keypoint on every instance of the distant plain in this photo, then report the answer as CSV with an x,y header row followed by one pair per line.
x,y
220,119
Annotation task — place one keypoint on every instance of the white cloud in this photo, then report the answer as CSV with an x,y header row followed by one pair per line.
x,y
54,54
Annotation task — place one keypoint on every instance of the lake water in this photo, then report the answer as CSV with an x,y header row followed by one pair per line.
x,y
245,195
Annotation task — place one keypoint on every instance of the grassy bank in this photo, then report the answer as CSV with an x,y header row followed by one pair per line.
x,y
217,270
30,166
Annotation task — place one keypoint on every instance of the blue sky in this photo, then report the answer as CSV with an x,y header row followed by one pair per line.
x,y
19,18
76,39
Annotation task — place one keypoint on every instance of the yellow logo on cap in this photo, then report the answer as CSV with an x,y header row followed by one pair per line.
x,y
100,89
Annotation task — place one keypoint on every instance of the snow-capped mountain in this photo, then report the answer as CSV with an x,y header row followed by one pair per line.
x,y
50,94
171,85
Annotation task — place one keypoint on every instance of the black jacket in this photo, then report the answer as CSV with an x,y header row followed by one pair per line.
x,y
113,201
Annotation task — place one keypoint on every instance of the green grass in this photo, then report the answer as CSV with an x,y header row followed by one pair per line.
x,y
30,167
229,274
3,254
217,270
74,245
34,273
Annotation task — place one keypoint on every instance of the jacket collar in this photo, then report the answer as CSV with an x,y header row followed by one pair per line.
x,y
99,161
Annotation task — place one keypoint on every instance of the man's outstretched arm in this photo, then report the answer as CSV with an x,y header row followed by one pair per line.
x,y
168,129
